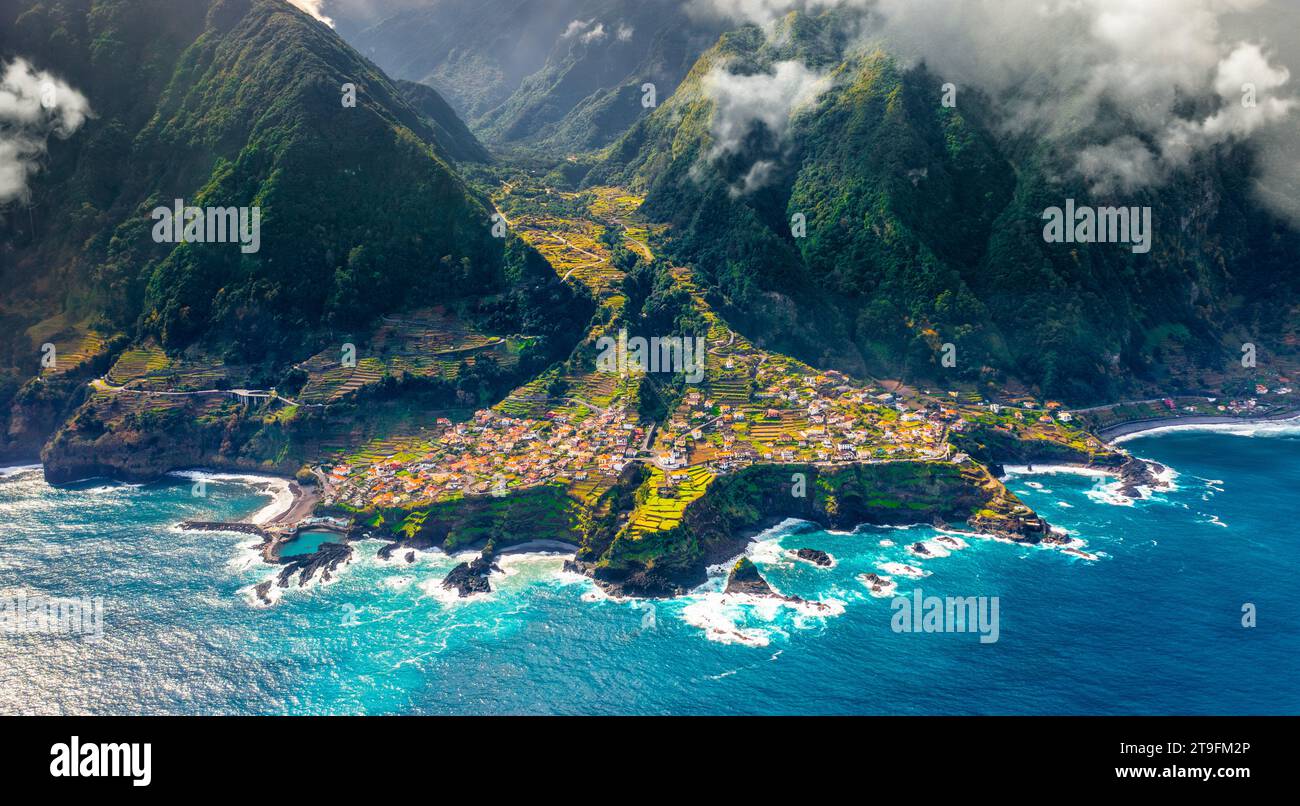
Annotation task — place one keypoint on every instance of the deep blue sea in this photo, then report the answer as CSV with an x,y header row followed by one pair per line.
x,y
1154,625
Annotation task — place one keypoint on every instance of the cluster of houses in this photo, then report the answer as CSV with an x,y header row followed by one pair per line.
x,y
799,415
794,414
493,453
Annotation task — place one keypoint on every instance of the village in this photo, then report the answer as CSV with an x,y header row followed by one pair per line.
x,y
754,407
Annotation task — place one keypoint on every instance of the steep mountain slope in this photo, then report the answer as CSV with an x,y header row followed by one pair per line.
x,y
474,53
240,103
451,132
924,228
561,74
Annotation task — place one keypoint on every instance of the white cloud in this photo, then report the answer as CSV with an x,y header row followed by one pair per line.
x,y
1061,67
33,105
772,99
764,12
624,32
315,8
1150,82
740,101
587,31
575,27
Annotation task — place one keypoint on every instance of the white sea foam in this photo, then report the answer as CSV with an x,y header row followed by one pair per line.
x,y
1109,494
902,570
779,530
886,588
248,554
887,543
951,542
1041,470
1249,428
718,618
767,552
15,470
726,617
935,550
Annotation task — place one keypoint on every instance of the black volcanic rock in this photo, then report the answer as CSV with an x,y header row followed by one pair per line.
x,y
325,559
472,577
1136,473
746,579
815,557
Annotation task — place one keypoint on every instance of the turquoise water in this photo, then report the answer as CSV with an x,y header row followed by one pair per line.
x,y
1152,626
307,543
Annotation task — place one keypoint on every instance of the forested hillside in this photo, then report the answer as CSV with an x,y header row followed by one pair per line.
x,y
923,227
242,103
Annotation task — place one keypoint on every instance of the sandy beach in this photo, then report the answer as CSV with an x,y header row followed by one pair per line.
x,y
304,501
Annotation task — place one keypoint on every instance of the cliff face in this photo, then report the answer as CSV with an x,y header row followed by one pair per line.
x,y
997,446
716,527
34,413
80,450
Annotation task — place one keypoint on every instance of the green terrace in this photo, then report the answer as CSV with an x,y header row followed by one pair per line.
x,y
427,344
662,500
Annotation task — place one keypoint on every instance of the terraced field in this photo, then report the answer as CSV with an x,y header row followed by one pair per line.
x,y
784,429
387,449
666,502
531,401
137,364
588,491
428,343
74,345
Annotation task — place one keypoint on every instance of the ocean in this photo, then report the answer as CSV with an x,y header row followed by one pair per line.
x,y
1154,625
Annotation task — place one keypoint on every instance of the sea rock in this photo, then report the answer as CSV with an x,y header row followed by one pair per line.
x,y
879,585
745,578
471,578
1022,526
815,557
1137,473
921,549
410,556
326,559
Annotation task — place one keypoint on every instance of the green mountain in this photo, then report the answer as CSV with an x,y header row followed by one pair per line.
x,y
564,75
924,228
241,103
450,132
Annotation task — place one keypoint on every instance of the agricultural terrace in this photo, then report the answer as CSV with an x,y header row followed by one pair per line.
x,y
430,343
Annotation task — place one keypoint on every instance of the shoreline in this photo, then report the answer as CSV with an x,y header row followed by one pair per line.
x,y
13,470
1121,432
539,547
290,501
